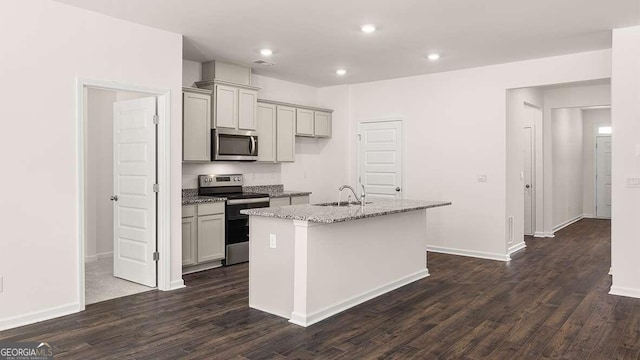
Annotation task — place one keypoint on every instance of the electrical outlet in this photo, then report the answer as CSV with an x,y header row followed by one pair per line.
x,y
272,241
482,177
633,182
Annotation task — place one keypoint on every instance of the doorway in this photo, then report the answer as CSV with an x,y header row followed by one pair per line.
x,y
123,212
381,158
603,173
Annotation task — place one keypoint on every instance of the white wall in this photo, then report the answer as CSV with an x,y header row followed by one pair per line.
x,y
46,47
516,119
625,112
456,126
567,162
191,72
590,119
322,164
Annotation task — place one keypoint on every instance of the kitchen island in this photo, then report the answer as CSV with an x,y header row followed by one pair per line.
x,y
309,262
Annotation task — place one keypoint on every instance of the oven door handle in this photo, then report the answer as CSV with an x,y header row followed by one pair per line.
x,y
247,201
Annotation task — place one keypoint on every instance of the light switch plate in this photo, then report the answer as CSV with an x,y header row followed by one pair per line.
x,y
482,177
272,241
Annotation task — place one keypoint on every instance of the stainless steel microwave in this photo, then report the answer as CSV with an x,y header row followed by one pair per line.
x,y
234,145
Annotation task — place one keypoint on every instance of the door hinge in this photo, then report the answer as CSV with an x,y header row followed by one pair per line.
x,y
156,187
156,119
156,256
360,179
359,137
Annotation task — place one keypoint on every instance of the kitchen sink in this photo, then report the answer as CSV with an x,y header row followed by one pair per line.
x,y
342,203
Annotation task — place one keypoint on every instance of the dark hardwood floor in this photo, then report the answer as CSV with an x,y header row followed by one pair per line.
x,y
549,302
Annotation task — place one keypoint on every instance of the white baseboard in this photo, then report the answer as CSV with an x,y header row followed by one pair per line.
x,y
567,223
96,257
105,255
516,248
588,216
610,271
37,316
201,267
539,234
310,319
176,284
622,291
470,253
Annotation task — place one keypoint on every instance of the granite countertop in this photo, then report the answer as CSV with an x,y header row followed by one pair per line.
x,y
274,191
335,214
191,197
191,200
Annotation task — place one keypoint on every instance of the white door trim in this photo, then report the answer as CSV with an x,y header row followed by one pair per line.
x,y
404,150
164,177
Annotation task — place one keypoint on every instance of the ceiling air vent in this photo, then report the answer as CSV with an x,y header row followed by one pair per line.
x,y
262,62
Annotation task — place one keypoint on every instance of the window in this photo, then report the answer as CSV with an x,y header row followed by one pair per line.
x,y
604,130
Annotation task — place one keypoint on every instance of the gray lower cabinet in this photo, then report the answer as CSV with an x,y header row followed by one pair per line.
x,y
210,232
202,233
189,238
286,201
298,200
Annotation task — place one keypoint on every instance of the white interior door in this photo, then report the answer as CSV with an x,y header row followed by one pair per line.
x,y
380,159
603,176
134,179
528,172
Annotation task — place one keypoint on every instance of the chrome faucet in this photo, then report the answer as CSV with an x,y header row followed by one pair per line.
x,y
359,199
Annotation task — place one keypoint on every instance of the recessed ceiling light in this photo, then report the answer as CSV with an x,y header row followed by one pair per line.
x,y
341,72
433,57
368,28
266,52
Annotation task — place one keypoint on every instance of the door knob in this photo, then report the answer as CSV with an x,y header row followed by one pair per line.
x,y
114,198
398,188
527,186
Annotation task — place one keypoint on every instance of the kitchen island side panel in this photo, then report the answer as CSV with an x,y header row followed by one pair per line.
x,y
346,261
271,270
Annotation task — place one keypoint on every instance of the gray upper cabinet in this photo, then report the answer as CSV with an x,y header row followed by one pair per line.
x,y
266,132
196,125
276,133
235,107
304,122
226,105
322,124
247,109
285,134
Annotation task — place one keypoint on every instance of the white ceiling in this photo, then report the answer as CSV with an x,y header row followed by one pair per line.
x,y
311,39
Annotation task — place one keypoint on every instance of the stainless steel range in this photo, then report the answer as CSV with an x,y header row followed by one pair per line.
x,y
237,225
